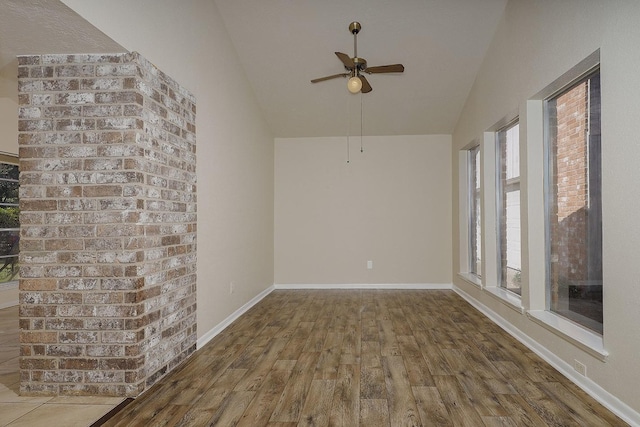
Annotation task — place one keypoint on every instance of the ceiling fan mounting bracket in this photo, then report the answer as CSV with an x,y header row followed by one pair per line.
x,y
355,27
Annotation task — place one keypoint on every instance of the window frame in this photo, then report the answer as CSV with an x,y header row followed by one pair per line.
x,y
535,262
500,140
474,198
12,283
550,201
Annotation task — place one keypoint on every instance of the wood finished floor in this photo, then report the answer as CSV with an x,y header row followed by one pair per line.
x,y
364,358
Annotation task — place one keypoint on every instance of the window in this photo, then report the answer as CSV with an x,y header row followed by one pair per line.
x,y
573,203
475,230
9,220
508,207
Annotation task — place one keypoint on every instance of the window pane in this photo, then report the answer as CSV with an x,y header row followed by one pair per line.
x,y
509,273
574,211
9,222
475,237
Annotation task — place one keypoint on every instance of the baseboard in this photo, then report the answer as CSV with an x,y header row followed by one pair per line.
x,y
226,322
8,304
590,387
396,286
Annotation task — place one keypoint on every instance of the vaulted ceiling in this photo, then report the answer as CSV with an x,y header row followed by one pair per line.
x,y
283,44
40,27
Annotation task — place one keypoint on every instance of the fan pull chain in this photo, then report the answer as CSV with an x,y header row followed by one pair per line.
x,y
348,126
361,135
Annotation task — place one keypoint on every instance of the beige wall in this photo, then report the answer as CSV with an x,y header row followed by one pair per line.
x,y
8,125
535,43
8,297
188,41
390,204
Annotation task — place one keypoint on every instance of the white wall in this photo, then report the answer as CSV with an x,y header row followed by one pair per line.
x,y
390,204
188,41
535,43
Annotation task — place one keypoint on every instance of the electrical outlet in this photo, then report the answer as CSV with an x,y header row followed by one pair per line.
x,y
231,287
369,265
580,367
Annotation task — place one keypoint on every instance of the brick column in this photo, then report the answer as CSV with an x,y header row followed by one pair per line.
x,y
108,224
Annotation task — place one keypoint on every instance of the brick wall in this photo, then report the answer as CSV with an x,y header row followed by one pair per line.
x,y
571,172
108,224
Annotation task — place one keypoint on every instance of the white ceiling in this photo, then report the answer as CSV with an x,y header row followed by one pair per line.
x,y
283,44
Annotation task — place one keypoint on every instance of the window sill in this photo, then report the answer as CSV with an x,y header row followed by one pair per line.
x,y
581,337
471,278
509,299
6,286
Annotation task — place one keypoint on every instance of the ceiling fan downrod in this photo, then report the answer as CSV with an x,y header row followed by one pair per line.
x,y
354,28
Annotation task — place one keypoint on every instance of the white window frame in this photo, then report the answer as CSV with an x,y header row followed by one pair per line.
x,y
500,139
490,219
465,205
9,159
578,335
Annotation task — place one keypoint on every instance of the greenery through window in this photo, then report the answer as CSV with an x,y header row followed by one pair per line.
x,y
9,222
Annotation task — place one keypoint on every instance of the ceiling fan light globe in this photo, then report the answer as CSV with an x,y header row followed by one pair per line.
x,y
354,84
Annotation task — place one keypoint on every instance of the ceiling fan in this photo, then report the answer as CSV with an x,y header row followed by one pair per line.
x,y
356,66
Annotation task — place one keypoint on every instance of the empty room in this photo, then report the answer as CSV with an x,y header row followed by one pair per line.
x,y
279,213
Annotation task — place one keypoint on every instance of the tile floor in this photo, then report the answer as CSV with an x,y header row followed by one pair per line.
x,y
38,411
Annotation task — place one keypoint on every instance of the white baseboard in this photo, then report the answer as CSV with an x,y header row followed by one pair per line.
x,y
396,286
608,400
226,322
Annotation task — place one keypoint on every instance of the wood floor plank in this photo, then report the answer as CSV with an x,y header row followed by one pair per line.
x,y
261,407
402,404
432,410
460,408
232,408
327,367
374,413
372,383
317,407
318,335
520,411
498,422
387,337
297,341
417,368
551,412
345,409
262,364
295,392
583,413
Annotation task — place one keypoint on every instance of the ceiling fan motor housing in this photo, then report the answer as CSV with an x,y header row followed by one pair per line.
x,y
361,63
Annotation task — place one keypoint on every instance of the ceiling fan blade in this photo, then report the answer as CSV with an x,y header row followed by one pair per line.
x,y
321,79
366,87
393,68
346,60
